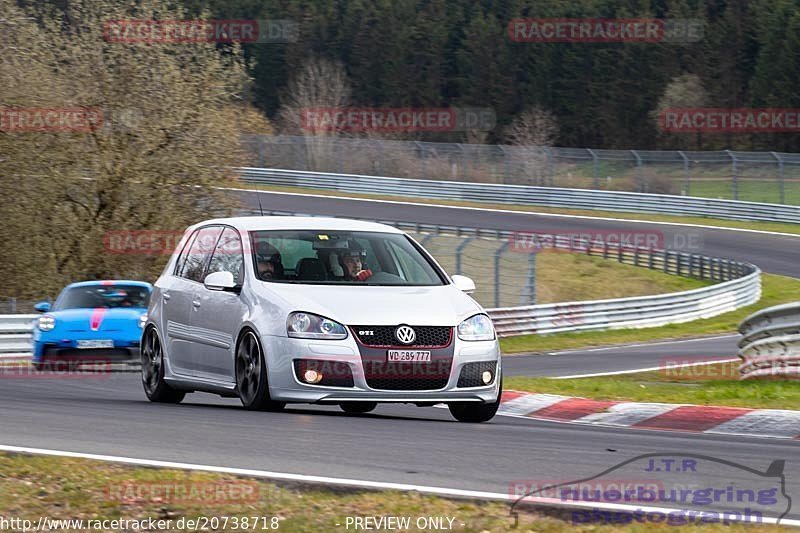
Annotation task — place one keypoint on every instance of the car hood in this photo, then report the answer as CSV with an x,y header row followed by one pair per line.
x,y
369,305
99,319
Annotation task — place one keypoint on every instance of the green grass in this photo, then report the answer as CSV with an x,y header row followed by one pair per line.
x,y
61,488
775,290
716,384
706,221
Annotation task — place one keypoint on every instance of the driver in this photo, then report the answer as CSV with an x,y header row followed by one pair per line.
x,y
353,259
268,262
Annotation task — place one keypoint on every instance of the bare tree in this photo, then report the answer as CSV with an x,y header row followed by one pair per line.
x,y
685,91
531,133
314,92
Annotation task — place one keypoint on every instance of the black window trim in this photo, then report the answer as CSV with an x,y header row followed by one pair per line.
x,y
239,286
214,247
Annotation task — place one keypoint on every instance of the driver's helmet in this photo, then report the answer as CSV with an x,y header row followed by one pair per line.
x,y
353,249
266,253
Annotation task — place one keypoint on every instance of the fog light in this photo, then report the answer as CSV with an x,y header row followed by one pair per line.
x,y
312,376
486,377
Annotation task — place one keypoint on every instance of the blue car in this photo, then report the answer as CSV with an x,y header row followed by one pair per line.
x,y
91,321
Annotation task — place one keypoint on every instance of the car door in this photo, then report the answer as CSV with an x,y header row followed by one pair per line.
x,y
180,300
219,315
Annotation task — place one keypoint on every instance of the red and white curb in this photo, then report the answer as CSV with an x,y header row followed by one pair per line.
x,y
771,423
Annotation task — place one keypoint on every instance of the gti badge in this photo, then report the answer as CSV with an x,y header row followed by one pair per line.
x,y
405,334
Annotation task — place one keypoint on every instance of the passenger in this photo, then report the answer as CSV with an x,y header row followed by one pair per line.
x,y
268,261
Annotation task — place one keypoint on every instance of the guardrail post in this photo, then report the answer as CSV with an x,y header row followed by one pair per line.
x,y
459,249
735,177
13,305
595,174
781,184
686,178
497,254
639,177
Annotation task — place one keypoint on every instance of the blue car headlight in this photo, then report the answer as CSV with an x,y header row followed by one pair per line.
x,y
309,326
47,323
476,328
142,320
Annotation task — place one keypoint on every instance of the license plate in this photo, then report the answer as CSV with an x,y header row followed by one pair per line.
x,y
408,355
88,344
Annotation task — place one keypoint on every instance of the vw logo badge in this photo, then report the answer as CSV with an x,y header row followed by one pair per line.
x,y
405,334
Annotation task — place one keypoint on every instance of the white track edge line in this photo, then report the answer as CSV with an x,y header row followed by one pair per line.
x,y
650,369
534,213
350,482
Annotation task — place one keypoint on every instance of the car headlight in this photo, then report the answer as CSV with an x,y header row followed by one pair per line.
x,y
476,328
309,326
142,320
47,323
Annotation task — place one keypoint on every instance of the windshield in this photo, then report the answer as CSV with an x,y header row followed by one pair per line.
x,y
341,258
106,296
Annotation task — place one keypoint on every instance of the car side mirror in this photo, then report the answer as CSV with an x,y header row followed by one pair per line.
x,y
42,307
463,283
220,281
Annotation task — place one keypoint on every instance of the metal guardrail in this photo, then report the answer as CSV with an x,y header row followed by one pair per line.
x,y
15,336
740,285
524,195
770,344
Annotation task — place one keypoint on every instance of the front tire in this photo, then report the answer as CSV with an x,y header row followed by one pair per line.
x,y
251,375
476,412
358,408
155,387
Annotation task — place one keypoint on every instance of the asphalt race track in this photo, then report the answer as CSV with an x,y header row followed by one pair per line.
x,y
621,358
110,415
776,254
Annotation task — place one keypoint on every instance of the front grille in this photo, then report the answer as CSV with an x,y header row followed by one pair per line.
x,y
384,375
382,336
471,374
334,373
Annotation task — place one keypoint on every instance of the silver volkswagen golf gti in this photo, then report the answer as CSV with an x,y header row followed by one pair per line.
x,y
277,310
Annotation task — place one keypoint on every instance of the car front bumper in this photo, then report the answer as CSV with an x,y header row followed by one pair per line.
x,y
286,386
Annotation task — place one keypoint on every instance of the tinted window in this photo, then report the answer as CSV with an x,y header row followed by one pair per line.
x,y
228,256
106,296
199,253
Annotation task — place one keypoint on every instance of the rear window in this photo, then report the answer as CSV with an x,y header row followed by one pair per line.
x,y
105,296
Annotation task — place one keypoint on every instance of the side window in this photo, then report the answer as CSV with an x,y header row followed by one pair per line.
x,y
228,255
199,252
181,262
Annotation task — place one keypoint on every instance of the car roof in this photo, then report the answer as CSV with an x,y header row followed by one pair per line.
x,y
260,223
91,283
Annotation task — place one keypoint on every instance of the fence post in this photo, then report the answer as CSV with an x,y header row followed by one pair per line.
x,y
735,177
422,165
595,175
13,302
781,184
639,177
459,249
686,178
497,254
530,286
506,162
